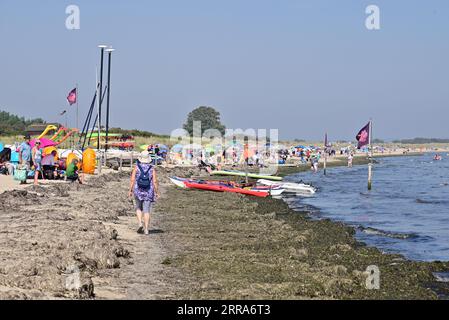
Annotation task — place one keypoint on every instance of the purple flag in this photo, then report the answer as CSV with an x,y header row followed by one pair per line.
x,y
363,136
71,98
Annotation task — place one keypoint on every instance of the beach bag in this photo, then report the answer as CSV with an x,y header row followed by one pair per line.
x,y
20,175
144,180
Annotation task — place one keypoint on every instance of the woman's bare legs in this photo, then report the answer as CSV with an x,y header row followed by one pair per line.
x,y
146,221
139,217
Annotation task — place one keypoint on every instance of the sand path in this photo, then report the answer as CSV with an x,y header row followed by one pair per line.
x,y
68,224
146,277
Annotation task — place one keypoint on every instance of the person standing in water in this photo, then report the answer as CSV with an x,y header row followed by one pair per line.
x,y
145,189
350,157
37,161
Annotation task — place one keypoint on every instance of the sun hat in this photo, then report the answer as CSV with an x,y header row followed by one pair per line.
x,y
144,157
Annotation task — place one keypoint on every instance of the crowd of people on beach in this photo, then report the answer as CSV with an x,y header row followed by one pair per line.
x,y
143,188
32,163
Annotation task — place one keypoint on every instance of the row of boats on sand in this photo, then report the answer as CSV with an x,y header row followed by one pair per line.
x,y
261,188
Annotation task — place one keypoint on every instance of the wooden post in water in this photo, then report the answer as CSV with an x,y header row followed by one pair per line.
x,y
370,155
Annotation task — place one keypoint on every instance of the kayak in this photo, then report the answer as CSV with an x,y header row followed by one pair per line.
x,y
243,174
273,191
179,182
223,188
289,186
212,185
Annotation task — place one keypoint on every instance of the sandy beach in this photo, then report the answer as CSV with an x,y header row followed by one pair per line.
x,y
202,245
7,183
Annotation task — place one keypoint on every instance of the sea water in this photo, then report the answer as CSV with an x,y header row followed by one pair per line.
x,y
406,212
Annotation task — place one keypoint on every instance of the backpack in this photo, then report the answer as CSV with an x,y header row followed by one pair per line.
x,y
144,180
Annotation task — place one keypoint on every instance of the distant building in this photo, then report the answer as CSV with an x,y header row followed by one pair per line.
x,y
37,129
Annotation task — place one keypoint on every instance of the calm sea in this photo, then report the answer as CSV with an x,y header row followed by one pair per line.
x,y
406,212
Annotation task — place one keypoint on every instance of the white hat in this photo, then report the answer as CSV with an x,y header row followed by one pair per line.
x,y
144,157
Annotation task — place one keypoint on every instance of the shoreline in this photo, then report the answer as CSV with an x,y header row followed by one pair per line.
x,y
203,245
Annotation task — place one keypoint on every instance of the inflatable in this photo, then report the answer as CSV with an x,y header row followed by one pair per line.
x,y
89,161
49,128
49,150
44,143
70,158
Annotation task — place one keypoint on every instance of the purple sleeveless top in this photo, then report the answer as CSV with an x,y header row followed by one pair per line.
x,y
141,194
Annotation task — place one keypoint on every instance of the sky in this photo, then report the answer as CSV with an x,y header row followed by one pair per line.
x,y
303,67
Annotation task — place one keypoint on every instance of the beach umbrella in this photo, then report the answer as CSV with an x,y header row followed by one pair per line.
x,y
162,147
143,147
44,143
193,146
177,148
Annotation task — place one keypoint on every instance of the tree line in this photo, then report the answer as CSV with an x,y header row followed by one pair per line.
x,y
421,141
11,124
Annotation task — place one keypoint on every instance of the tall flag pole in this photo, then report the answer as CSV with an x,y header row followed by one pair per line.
x,y
100,94
364,138
109,51
77,108
325,152
72,98
370,164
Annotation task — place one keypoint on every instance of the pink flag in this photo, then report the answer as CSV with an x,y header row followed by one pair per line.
x,y
363,136
71,98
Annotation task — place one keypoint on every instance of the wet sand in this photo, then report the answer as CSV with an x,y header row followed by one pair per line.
x,y
202,245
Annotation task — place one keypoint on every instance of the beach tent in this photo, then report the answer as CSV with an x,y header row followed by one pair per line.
x,y
5,155
14,157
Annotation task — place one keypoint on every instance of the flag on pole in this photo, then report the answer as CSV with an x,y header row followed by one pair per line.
x,y
71,98
363,136
326,143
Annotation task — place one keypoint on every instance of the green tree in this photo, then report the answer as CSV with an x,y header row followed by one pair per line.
x,y
13,125
209,117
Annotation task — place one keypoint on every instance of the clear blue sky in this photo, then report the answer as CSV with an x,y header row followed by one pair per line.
x,y
303,67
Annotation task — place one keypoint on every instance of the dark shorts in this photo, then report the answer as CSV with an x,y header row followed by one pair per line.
x,y
73,178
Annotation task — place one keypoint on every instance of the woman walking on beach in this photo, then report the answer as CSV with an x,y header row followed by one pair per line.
x,y
145,189
37,161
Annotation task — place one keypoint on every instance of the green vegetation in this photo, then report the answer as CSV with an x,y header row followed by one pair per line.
x,y
14,125
209,117
138,133
421,141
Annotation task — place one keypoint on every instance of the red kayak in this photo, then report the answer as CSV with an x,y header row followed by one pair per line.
x,y
222,188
